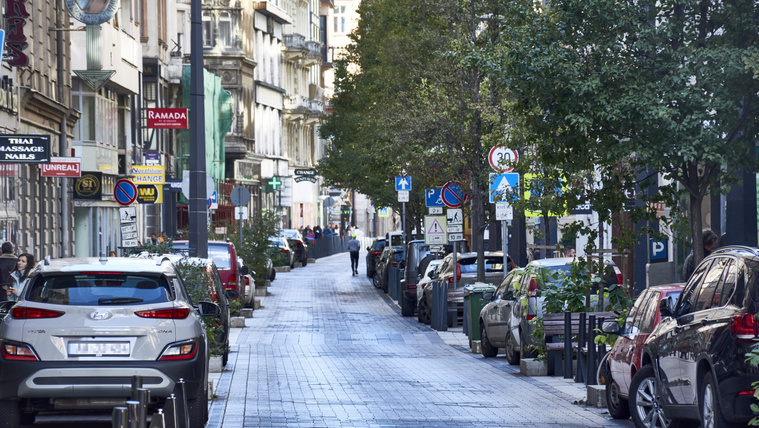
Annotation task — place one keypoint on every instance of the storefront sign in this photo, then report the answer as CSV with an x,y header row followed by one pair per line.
x,y
24,148
147,174
93,11
15,40
167,118
305,175
149,194
89,186
62,167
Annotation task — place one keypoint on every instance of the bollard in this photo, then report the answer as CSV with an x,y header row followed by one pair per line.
x,y
392,282
136,383
157,421
580,377
133,411
183,420
143,397
590,373
567,345
439,309
170,412
119,417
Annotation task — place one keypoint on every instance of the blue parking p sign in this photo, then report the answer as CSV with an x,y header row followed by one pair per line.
x,y
658,250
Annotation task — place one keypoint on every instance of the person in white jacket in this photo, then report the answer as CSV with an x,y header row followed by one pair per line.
x,y
20,276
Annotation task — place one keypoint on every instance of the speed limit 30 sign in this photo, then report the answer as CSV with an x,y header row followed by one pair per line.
x,y
503,159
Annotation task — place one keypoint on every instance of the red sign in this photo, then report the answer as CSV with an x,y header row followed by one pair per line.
x,y
167,118
125,192
15,40
62,167
503,159
453,194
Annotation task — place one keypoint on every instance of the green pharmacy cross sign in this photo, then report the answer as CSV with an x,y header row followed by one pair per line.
x,y
272,185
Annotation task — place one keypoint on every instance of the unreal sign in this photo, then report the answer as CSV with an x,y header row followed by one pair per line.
x,y
24,148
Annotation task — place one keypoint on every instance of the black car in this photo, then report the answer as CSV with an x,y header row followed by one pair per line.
x,y
373,253
297,244
391,256
416,251
694,364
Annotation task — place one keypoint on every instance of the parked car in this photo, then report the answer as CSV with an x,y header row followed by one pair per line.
x,y
694,364
248,283
391,256
297,244
203,282
624,358
465,272
224,255
424,316
505,321
373,253
84,326
416,251
280,245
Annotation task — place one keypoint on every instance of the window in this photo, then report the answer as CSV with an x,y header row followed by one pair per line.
x,y
340,20
225,29
704,296
646,316
207,30
100,289
684,305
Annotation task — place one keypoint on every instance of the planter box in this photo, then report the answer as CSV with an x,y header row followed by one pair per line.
x,y
237,322
214,365
533,367
282,269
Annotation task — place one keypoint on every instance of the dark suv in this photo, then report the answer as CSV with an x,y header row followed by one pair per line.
x,y
694,363
373,253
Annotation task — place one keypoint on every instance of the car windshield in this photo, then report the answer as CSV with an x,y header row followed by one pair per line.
x,y
289,234
219,253
100,289
492,264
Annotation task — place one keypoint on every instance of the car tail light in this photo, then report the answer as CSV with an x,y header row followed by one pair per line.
x,y
744,327
619,274
376,253
168,313
458,274
18,351
24,313
285,251
532,289
180,351
530,316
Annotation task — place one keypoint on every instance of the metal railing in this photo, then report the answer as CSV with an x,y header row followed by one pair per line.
x,y
135,413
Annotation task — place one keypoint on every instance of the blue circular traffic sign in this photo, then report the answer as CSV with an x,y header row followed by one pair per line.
x,y
453,194
125,192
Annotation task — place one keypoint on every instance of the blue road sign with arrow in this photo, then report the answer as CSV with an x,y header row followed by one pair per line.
x,y
501,185
403,183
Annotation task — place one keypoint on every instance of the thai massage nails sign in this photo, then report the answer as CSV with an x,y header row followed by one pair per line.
x,y
24,148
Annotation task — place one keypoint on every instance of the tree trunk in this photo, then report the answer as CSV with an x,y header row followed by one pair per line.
x,y
696,228
478,217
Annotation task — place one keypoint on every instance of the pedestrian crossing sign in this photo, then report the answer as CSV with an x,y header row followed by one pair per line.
x,y
435,232
383,212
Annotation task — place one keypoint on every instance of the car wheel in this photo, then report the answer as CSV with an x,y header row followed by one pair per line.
x,y
618,407
512,355
525,353
273,275
11,411
488,350
424,313
304,261
710,409
197,408
375,281
407,307
644,400
225,355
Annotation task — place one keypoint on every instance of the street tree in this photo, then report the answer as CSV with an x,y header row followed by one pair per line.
x,y
623,86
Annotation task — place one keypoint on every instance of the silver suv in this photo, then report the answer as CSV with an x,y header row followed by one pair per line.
x,y
84,326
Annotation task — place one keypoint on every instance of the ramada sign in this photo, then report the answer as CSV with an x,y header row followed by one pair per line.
x,y
167,118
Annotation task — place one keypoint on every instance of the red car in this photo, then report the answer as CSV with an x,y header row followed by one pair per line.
x,y
624,358
224,255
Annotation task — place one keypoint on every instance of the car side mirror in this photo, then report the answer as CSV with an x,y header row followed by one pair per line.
x,y
244,270
208,309
488,295
610,327
232,294
509,295
665,308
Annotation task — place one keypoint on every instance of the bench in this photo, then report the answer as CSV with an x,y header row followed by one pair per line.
x,y
562,333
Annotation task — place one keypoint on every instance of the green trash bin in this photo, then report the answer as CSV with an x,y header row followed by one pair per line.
x,y
473,304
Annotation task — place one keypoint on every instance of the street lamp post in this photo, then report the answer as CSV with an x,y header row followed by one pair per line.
x,y
198,244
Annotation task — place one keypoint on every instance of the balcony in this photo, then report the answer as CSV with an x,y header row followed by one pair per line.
x,y
313,53
295,47
300,105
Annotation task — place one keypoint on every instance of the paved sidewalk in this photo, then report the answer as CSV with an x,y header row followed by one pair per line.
x,y
329,350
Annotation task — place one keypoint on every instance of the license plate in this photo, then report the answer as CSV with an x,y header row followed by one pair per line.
x,y
98,349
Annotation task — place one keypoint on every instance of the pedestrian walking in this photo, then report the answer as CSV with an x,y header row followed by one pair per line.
x,y
354,246
20,276
7,265
153,239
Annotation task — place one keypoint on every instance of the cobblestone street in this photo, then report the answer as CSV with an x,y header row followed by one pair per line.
x,y
328,349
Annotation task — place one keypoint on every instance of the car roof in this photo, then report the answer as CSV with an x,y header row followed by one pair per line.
x,y
157,265
210,242
668,287
557,261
